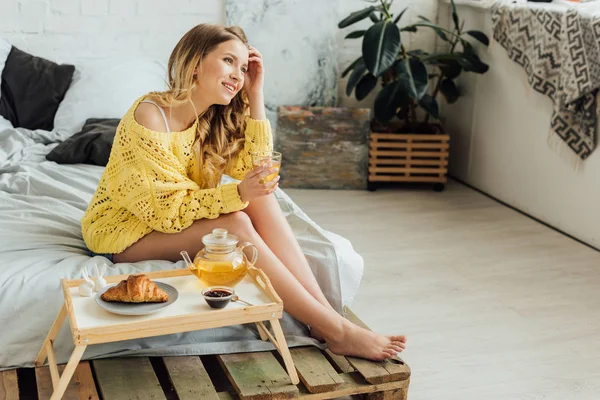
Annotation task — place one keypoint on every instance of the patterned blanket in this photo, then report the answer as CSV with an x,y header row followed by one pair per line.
x,y
559,50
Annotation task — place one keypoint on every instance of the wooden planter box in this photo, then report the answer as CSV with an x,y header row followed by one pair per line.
x,y
401,157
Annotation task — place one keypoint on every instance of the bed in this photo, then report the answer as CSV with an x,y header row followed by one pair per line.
x,y
41,204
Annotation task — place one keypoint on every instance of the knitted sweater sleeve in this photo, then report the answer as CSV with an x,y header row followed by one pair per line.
x,y
152,184
258,139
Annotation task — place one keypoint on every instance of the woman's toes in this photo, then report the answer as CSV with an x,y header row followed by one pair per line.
x,y
397,349
390,353
400,344
400,338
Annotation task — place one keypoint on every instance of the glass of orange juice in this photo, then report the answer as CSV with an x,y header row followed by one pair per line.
x,y
269,159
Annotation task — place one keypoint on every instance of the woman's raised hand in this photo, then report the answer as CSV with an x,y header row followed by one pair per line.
x,y
251,187
254,79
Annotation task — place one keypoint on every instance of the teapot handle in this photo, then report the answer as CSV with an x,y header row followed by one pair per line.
x,y
254,252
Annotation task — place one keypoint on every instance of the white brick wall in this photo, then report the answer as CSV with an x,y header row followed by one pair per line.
x,y
77,30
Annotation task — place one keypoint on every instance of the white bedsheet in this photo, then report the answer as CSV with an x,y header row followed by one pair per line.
x,y
41,204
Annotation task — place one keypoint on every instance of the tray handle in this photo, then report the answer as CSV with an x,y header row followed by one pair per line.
x,y
264,282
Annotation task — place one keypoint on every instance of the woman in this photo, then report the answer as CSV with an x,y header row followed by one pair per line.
x,y
160,193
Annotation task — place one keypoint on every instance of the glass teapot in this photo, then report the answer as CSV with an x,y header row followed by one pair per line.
x,y
220,262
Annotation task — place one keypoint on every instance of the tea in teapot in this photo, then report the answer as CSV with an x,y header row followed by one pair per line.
x,y
220,262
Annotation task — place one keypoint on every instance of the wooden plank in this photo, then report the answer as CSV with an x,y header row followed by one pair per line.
x,y
127,378
189,378
394,369
374,170
257,376
52,364
388,178
314,369
9,386
81,385
395,153
354,384
397,394
404,162
42,355
340,361
409,145
69,306
409,136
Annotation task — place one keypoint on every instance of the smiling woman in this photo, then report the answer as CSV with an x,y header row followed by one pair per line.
x,y
160,192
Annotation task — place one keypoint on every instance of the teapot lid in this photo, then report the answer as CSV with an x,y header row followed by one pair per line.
x,y
220,240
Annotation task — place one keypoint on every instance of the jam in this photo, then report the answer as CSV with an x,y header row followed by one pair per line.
x,y
217,297
218,293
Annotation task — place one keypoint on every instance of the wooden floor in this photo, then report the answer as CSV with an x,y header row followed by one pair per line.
x,y
495,305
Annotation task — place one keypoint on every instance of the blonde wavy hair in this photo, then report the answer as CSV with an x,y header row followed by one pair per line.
x,y
220,129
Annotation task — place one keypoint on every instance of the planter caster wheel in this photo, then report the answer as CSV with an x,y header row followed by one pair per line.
x,y
439,187
371,187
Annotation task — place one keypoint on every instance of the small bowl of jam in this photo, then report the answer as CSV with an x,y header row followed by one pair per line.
x,y
218,296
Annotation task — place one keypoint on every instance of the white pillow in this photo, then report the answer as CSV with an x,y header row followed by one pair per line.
x,y
5,124
106,89
5,48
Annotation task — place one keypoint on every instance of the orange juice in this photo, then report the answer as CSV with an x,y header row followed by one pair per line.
x,y
269,164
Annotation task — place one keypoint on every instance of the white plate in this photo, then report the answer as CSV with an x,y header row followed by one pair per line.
x,y
137,308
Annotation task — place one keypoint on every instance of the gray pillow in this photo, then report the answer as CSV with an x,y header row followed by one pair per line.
x,y
91,145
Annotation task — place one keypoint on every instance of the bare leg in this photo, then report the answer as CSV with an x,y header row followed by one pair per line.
x,y
273,228
342,336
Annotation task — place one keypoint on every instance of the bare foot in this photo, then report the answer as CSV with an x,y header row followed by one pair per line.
x,y
315,334
360,342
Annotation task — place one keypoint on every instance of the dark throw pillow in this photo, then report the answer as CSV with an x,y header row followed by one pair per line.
x,y
32,89
91,145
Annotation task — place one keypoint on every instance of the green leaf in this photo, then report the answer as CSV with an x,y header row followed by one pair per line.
x,y
470,61
455,16
449,90
355,17
412,74
437,58
416,53
388,100
451,69
374,17
482,37
430,105
364,86
400,15
409,28
424,18
355,34
355,76
380,47
351,66
438,30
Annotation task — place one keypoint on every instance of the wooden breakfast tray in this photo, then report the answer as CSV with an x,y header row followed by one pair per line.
x,y
91,324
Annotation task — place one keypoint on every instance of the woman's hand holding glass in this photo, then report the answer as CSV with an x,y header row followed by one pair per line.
x,y
254,184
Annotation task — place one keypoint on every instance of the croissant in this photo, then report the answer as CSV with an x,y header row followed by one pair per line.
x,y
136,289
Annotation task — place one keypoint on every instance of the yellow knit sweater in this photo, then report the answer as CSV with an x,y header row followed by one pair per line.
x,y
147,184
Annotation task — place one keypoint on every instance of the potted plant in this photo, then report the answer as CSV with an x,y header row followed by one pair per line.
x,y
407,144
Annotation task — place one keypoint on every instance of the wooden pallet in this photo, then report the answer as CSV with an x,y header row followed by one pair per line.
x,y
258,375
399,157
